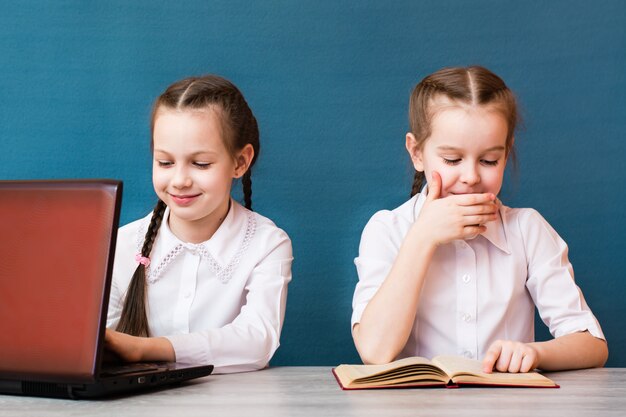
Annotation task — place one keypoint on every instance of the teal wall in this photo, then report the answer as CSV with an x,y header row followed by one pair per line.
x,y
329,83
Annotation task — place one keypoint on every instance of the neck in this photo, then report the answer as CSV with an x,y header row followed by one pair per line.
x,y
200,230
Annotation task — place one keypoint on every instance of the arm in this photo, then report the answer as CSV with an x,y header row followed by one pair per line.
x,y
579,342
573,351
249,341
136,349
389,317
130,348
387,320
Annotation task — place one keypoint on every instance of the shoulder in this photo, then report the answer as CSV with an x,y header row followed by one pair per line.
x,y
128,243
525,218
265,234
530,226
396,220
388,227
133,232
130,239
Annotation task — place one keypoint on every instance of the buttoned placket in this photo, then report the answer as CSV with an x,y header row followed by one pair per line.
x,y
466,304
187,291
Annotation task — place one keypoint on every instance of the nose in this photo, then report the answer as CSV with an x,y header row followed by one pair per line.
x,y
470,174
181,178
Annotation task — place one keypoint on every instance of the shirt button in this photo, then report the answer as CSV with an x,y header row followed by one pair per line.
x,y
187,295
466,317
468,354
466,278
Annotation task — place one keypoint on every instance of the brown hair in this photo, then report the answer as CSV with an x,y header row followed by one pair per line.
x,y
474,85
240,128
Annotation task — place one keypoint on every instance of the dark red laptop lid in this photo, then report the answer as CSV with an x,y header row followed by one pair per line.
x,y
57,241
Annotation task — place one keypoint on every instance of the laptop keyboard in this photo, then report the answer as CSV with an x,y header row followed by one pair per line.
x,y
113,370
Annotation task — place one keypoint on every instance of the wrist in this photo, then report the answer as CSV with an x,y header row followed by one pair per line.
x,y
157,349
141,348
538,348
419,238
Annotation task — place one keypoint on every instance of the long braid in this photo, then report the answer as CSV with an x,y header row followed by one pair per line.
x,y
249,133
246,182
134,319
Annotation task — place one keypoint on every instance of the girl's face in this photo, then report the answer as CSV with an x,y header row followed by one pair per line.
x,y
192,171
466,147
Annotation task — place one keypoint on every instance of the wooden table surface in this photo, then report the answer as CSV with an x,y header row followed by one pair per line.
x,y
313,391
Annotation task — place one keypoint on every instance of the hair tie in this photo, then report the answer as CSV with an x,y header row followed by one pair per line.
x,y
142,260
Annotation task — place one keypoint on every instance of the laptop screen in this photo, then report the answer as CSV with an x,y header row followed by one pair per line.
x,y
56,251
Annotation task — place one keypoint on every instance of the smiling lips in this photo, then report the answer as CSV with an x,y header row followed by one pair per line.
x,y
184,200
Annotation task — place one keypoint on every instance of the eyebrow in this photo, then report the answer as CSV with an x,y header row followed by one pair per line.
x,y
453,148
192,154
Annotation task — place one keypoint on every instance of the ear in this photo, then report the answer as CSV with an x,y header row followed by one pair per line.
x,y
243,159
415,152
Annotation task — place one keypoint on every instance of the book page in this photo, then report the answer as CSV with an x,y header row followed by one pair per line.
x,y
469,371
397,372
457,365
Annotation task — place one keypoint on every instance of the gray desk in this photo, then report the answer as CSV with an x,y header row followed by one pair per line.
x,y
312,391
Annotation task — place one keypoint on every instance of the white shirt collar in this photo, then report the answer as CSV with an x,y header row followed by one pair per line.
x,y
496,234
222,250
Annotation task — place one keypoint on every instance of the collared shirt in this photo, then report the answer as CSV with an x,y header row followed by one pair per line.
x,y
220,302
479,290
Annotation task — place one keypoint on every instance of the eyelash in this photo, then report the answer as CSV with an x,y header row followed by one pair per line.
x,y
200,165
483,161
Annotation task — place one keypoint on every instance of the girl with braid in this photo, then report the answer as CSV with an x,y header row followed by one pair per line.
x,y
452,270
201,279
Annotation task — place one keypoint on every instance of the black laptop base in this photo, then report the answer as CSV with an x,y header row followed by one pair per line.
x,y
113,384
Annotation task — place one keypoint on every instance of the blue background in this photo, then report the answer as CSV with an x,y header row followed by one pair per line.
x,y
329,82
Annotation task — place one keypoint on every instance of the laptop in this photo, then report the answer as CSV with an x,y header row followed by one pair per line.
x,y
57,246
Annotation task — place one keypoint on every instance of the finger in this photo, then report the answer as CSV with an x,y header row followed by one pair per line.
x,y
502,364
527,363
474,199
470,232
483,208
478,220
491,357
434,186
516,361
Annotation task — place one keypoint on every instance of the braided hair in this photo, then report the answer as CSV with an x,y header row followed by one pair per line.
x,y
134,319
240,129
472,85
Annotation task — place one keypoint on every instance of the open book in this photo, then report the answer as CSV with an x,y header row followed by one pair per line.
x,y
442,371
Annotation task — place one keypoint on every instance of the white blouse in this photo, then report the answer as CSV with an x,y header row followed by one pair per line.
x,y
479,290
219,302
